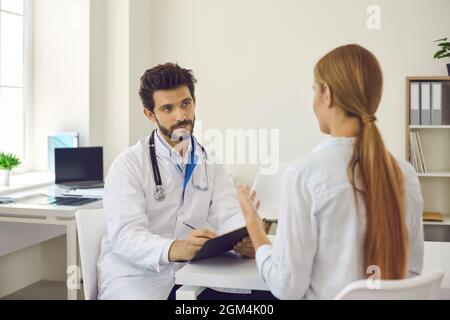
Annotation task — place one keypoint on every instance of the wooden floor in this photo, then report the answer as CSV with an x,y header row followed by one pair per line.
x,y
42,290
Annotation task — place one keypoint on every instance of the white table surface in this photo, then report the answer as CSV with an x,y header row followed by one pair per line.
x,y
225,271
44,211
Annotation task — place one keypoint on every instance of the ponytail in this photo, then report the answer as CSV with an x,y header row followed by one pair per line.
x,y
385,243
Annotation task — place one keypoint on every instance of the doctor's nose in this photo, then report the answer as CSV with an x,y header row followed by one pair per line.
x,y
179,115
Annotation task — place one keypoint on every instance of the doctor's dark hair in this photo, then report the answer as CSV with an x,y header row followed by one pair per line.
x,y
164,77
354,77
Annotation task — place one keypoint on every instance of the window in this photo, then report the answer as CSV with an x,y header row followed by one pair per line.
x,y
14,76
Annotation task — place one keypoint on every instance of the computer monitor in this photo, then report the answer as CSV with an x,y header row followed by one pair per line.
x,y
74,165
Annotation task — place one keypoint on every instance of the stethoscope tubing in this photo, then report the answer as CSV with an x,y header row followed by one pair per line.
x,y
159,189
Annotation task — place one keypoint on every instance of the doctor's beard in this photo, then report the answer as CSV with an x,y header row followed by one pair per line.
x,y
176,133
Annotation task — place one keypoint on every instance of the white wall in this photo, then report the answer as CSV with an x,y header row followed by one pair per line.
x,y
254,59
97,52
88,58
127,51
60,85
140,60
116,77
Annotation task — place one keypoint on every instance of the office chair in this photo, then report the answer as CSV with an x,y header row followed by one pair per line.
x,y
423,287
91,228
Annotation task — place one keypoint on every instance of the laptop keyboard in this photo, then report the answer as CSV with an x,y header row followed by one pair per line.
x,y
68,201
83,185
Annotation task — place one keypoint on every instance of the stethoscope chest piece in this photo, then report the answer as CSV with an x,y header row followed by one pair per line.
x,y
160,194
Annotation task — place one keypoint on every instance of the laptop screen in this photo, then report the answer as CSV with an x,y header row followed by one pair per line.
x,y
78,164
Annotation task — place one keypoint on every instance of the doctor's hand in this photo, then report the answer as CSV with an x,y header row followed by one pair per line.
x,y
245,248
185,250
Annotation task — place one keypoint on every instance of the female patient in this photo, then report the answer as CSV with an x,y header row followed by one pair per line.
x,y
349,209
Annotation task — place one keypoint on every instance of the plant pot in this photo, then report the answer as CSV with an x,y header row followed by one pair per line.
x,y
448,69
4,177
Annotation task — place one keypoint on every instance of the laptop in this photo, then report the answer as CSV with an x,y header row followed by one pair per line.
x,y
79,168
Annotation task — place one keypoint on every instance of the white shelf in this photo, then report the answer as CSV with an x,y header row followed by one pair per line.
x,y
429,127
443,174
446,222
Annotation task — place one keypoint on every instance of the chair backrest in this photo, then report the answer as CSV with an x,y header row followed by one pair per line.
x,y
423,287
91,228
267,189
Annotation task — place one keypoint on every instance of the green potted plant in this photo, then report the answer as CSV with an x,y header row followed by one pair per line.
x,y
444,51
8,161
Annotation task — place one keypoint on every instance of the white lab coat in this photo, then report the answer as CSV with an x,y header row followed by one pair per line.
x,y
133,263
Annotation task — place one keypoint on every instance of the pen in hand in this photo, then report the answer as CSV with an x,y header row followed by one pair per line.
x,y
200,232
188,225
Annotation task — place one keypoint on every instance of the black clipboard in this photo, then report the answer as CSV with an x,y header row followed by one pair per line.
x,y
221,244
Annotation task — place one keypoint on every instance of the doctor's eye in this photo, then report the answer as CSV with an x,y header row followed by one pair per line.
x,y
167,109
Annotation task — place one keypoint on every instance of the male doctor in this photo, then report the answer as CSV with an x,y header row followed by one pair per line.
x,y
158,191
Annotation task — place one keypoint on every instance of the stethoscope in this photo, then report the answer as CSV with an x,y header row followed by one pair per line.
x,y
160,193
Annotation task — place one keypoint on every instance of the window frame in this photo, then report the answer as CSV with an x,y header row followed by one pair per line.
x,y
26,165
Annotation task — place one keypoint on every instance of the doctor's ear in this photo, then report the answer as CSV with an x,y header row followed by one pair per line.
x,y
150,115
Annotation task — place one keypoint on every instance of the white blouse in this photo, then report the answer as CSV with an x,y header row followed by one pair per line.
x,y
320,233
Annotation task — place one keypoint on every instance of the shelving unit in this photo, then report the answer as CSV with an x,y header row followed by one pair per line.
x,y
434,175
435,140
429,127
432,223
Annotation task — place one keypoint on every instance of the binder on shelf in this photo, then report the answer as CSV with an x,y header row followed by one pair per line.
x,y
416,147
436,103
425,103
423,166
445,102
414,114
60,140
417,158
433,216
413,154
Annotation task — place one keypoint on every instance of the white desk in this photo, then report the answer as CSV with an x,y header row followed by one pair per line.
x,y
225,271
233,272
49,215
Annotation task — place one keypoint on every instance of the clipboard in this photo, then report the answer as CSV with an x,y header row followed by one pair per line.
x,y
221,244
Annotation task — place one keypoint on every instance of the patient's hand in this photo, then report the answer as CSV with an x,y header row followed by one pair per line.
x,y
249,204
245,248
